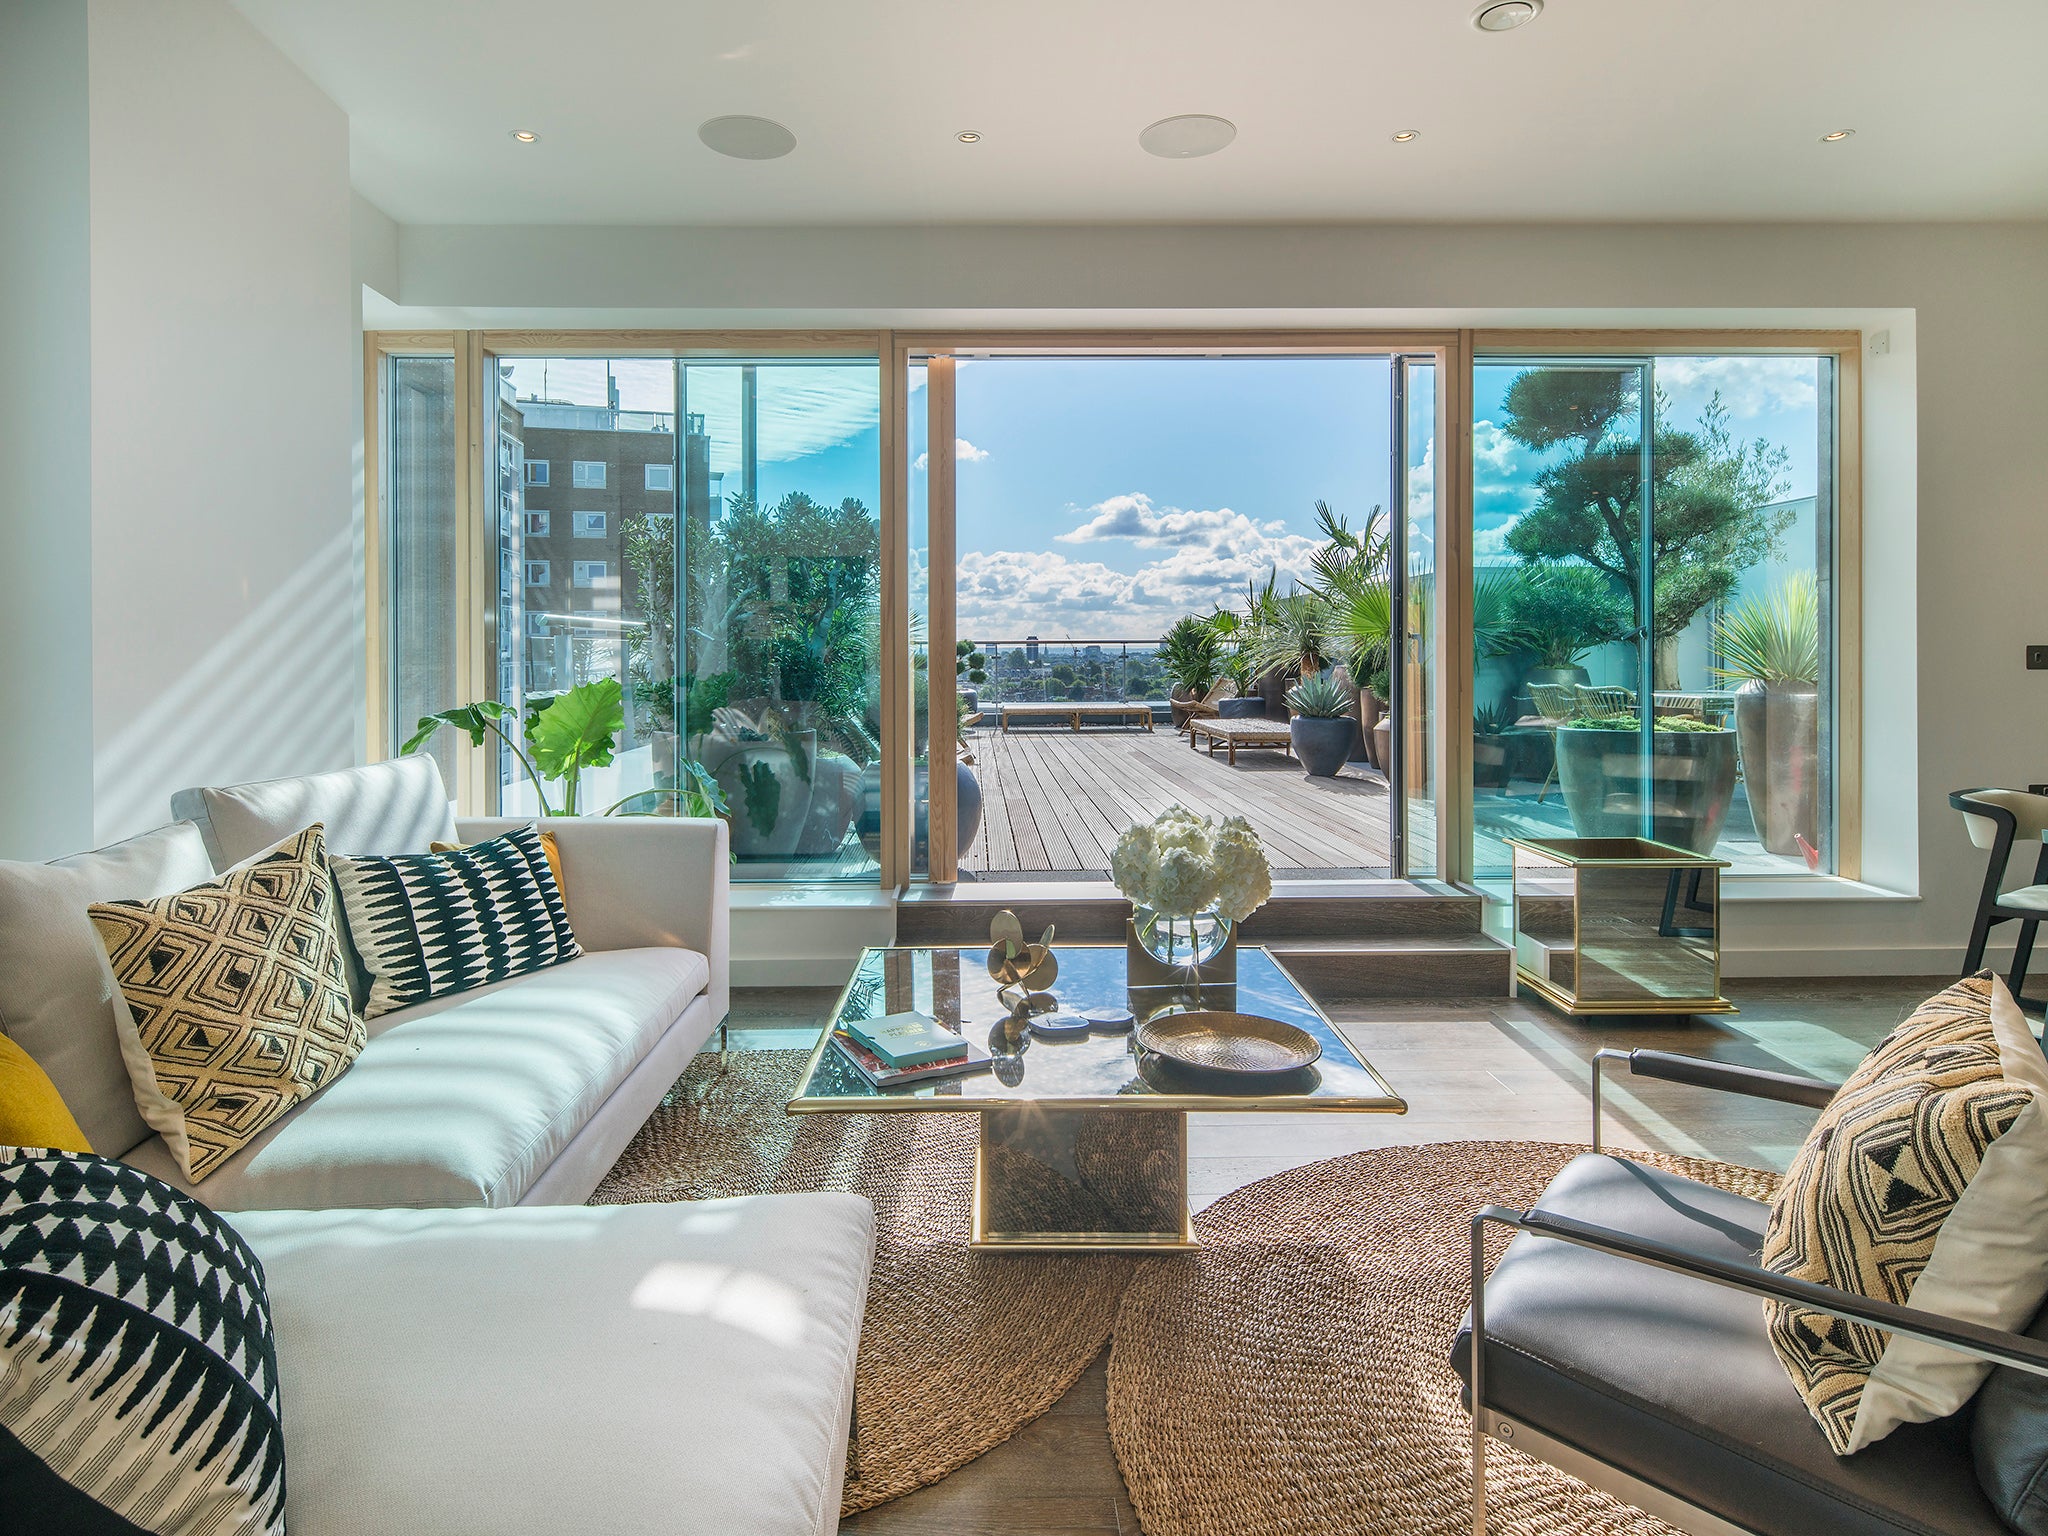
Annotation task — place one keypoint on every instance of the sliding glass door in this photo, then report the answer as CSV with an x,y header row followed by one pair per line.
x,y
1652,644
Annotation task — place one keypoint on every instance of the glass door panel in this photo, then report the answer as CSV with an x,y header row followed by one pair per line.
x,y
1416,748
1561,597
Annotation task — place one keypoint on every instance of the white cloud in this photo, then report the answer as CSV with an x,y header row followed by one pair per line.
x,y
1206,558
1749,386
964,452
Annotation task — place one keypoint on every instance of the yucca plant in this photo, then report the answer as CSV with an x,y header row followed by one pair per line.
x,y
1318,697
1774,639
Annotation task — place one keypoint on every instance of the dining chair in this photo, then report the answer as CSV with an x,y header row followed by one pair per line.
x,y
1605,701
1557,704
1997,819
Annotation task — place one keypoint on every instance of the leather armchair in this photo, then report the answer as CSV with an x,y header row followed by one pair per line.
x,y
1621,1338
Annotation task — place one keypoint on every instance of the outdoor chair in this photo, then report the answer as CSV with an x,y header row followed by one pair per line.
x,y
1622,1339
1997,818
1556,703
1206,707
1605,701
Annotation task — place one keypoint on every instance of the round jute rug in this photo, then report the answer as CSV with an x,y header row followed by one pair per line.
x,y
1290,1377
958,1349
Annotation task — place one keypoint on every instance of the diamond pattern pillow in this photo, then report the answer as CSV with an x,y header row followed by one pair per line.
x,y
232,1004
138,1376
427,924
1924,1183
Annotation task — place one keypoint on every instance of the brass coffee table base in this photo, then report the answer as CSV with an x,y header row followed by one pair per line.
x,y
1110,1180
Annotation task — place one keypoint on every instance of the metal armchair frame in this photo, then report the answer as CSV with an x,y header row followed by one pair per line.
x,y
1994,1345
1991,907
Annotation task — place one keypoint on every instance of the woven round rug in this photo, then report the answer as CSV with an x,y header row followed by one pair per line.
x,y
1291,1377
958,1349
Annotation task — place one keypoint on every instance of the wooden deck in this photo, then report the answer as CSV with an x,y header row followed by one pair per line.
x,y
1054,802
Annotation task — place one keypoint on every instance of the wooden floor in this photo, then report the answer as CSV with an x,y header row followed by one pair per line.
x,y
1055,800
1491,1069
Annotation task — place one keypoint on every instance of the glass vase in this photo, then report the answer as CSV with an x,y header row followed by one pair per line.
x,y
1183,941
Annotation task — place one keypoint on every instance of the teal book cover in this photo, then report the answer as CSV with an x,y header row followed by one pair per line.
x,y
906,1039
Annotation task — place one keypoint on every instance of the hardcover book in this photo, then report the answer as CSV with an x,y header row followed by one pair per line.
x,y
908,1039
882,1075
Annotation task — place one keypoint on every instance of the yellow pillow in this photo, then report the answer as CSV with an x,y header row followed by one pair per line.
x,y
547,846
32,1112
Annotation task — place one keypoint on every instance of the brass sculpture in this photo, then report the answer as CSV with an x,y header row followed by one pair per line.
x,y
1022,973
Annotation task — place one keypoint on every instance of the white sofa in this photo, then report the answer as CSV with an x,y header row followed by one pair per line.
x,y
662,1368
522,1093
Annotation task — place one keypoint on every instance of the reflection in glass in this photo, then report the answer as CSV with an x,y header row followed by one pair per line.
x,y
704,536
419,502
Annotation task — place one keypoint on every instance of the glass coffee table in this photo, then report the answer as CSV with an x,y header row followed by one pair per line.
x,y
1083,1141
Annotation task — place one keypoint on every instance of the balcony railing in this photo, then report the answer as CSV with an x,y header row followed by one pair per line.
x,y
1032,671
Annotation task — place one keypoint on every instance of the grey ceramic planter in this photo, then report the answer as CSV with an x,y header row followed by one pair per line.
x,y
1322,746
1691,782
1778,726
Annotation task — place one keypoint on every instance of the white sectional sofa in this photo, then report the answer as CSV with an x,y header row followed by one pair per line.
x,y
451,1367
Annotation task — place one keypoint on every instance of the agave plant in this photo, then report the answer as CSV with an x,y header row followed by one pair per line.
x,y
1773,639
1318,697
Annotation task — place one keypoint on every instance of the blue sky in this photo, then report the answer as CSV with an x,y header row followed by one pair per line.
x,y
1103,498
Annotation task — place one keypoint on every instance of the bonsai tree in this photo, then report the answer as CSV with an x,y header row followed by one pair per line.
x,y
1709,493
970,665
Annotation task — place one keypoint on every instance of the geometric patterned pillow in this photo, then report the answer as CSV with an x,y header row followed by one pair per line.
x,y
1925,1183
427,924
138,1378
231,1000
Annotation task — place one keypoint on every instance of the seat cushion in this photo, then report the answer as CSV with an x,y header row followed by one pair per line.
x,y
56,999
464,1100
1674,1379
644,1368
400,806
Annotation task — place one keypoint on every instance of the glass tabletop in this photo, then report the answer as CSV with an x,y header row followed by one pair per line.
x,y
1096,1071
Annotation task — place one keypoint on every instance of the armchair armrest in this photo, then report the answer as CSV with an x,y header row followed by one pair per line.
x,y
636,882
1699,1072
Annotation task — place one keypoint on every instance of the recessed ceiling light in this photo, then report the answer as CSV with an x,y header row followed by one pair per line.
x,y
1506,15
1838,135
526,135
968,136
1187,136
1407,136
747,138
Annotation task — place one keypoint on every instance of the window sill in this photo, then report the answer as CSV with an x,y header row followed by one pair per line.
x,y
1747,888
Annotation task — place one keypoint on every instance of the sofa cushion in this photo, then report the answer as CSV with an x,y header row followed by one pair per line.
x,y
464,1100
1674,1380
427,924
56,1000
233,1003
1923,1183
138,1380
32,1111
2009,1438
400,806
579,1368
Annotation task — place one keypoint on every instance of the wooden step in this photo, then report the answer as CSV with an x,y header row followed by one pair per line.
x,y
1336,972
1092,912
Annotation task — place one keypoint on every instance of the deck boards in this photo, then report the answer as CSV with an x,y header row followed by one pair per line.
x,y
1054,802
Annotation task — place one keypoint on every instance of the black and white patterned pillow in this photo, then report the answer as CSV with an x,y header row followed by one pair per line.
x,y
138,1377
431,923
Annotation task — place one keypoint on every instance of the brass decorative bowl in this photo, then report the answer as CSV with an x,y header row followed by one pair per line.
x,y
1229,1042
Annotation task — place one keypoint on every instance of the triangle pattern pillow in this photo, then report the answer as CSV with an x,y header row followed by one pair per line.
x,y
138,1372
231,1001
1924,1184
427,924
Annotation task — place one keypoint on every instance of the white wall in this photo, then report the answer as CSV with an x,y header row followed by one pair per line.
x,y
45,435
223,371
1955,461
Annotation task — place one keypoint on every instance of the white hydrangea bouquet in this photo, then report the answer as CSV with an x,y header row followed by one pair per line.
x,y
1190,880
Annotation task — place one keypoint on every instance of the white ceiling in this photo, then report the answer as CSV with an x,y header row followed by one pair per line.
x,y
1599,110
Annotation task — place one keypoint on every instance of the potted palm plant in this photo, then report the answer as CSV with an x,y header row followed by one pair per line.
x,y
1191,655
1558,614
1770,648
1322,725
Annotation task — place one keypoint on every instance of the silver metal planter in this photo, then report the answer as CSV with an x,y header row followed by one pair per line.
x,y
1777,728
